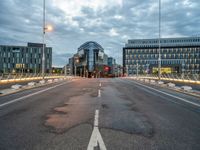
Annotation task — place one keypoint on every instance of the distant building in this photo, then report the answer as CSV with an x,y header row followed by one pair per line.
x,y
112,65
89,60
24,59
178,55
57,70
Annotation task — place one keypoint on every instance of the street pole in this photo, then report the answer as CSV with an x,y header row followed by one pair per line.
x,y
117,71
183,69
43,48
159,55
137,69
75,70
84,71
65,70
127,71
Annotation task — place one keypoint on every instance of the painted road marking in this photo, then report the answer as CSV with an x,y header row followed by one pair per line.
x,y
182,99
96,138
100,84
36,93
99,93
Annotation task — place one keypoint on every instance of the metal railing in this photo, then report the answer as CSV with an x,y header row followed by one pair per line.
x,y
190,78
27,76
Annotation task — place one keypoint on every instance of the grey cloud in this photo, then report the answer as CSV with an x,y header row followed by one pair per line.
x,y
21,21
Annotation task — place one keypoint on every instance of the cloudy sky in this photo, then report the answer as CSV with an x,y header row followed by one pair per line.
x,y
108,22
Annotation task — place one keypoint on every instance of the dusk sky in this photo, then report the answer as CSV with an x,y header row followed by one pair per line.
x,y
108,22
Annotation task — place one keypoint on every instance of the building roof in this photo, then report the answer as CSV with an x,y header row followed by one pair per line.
x,y
88,44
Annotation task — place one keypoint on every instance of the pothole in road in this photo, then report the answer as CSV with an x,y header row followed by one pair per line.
x,y
76,111
123,115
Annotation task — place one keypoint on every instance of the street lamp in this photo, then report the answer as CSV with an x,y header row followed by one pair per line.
x,y
159,53
45,28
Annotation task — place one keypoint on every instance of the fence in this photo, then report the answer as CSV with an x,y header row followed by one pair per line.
x,y
189,78
23,77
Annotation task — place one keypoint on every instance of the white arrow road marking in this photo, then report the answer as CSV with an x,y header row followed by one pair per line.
x,y
96,138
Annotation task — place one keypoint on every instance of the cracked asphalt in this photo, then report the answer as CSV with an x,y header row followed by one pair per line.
x,y
131,117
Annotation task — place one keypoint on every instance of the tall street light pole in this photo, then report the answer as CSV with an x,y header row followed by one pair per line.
x,y
159,41
43,48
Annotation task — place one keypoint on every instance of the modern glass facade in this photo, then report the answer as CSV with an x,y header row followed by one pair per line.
x,y
178,55
24,59
89,59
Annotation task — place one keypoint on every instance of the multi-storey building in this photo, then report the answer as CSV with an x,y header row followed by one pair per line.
x,y
24,59
178,55
89,60
112,65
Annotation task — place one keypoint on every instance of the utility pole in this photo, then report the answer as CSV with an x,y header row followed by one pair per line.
x,y
159,41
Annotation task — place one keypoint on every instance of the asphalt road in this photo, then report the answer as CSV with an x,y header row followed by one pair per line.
x,y
116,114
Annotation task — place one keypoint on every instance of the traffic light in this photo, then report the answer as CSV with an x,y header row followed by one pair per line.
x,y
106,68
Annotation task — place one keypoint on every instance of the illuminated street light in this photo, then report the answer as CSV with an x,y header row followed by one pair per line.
x,y
46,28
49,28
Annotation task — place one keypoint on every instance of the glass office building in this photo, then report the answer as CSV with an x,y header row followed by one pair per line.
x,y
89,59
24,59
178,55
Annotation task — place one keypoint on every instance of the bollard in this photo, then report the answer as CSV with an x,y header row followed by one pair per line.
x,y
171,84
16,86
31,84
42,82
186,88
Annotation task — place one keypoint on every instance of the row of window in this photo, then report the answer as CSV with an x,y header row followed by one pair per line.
x,y
24,50
163,50
25,60
163,56
185,67
164,41
175,61
22,66
21,55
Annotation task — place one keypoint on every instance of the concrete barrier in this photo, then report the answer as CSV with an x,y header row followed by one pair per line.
x,y
16,86
42,82
31,84
186,88
55,80
160,82
50,81
152,81
171,84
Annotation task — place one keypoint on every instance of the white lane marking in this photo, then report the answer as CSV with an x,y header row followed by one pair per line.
x,y
99,93
96,138
96,118
182,99
100,84
36,93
